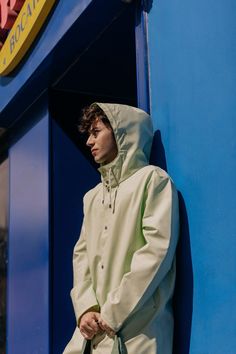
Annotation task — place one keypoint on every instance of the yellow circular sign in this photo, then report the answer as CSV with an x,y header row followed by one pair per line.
x,y
27,25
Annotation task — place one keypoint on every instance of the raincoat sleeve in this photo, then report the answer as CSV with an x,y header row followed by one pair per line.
x,y
152,261
82,293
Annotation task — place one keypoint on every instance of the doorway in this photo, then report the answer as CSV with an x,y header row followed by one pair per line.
x,y
105,72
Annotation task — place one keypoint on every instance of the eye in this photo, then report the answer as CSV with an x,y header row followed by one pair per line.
x,y
95,132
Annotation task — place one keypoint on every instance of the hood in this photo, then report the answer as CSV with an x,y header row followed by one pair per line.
x,y
133,132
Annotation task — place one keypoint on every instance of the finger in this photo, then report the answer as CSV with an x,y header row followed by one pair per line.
x,y
102,325
85,335
109,331
106,328
94,325
100,331
86,328
92,322
97,317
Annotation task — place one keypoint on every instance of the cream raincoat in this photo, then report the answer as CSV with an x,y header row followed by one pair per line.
x,y
124,260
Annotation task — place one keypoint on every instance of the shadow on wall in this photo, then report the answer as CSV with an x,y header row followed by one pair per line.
x,y
158,159
183,297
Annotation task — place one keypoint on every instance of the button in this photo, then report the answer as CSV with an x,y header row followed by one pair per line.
x,y
102,266
105,227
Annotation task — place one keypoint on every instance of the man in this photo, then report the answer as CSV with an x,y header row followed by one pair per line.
x,y
124,268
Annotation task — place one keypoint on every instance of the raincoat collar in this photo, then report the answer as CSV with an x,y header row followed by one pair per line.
x,y
111,173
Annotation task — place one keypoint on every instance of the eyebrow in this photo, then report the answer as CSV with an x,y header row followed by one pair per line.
x,y
92,130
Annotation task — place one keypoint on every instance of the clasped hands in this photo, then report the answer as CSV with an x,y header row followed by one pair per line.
x,y
91,324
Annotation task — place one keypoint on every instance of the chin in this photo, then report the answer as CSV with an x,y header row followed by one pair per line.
x,y
97,160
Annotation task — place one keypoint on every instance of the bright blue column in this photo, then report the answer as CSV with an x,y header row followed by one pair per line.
x,y
28,267
192,49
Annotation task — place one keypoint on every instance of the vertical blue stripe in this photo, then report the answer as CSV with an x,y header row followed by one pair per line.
x,y
28,268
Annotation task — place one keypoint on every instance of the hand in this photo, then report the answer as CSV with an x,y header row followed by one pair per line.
x,y
89,324
104,326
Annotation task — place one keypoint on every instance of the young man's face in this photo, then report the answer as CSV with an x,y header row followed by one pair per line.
x,y
102,142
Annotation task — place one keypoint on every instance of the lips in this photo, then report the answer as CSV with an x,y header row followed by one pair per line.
x,y
93,151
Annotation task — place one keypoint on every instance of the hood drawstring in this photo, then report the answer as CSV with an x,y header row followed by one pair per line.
x,y
114,203
108,186
103,192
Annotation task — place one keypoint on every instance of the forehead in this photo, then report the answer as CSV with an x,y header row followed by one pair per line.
x,y
97,123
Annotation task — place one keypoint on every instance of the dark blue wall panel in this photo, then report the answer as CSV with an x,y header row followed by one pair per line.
x,y
192,48
28,267
68,32
62,17
141,45
73,176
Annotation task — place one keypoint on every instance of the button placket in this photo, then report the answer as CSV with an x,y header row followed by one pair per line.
x,y
104,237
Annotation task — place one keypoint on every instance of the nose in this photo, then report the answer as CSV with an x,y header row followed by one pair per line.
x,y
90,141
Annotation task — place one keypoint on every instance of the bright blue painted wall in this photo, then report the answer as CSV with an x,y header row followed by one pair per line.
x,y
28,329
192,48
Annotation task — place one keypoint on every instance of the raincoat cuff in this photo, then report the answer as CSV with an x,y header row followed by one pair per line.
x,y
115,327
83,304
94,308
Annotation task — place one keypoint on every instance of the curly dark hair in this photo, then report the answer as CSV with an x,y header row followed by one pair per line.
x,y
89,115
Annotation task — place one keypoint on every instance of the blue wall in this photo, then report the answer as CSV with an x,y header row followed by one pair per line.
x,y
192,48
62,17
72,177
48,177
28,329
63,39
192,56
